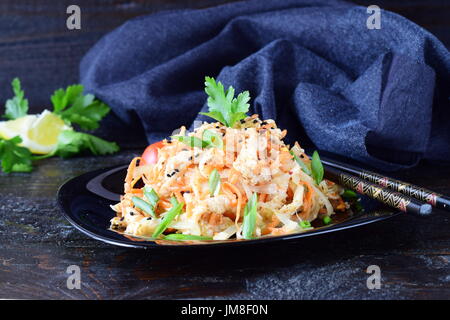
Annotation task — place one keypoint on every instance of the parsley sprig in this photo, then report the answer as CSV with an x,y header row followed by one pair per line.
x,y
71,143
223,106
17,106
13,157
73,106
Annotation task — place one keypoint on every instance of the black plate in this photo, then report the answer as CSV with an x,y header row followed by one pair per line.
x,y
86,199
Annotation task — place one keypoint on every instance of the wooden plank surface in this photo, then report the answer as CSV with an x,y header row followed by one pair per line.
x,y
37,244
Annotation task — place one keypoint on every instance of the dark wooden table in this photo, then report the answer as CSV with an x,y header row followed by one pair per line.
x,y
37,244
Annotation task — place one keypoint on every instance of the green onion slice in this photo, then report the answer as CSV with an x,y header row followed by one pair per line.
x,y
170,215
151,195
302,165
317,167
349,194
212,139
191,141
214,183
144,206
178,236
305,224
326,220
249,223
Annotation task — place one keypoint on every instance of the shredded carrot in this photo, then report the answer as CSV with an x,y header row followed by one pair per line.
x,y
231,196
238,193
277,231
215,219
165,204
263,197
130,175
271,225
179,196
137,192
307,202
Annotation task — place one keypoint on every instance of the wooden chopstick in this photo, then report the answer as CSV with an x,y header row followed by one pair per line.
x,y
433,198
377,192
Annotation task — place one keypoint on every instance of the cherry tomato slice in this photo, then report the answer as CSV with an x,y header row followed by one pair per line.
x,y
150,155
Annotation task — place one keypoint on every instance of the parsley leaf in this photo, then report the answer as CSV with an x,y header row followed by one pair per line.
x,y
13,157
16,107
223,106
71,143
75,107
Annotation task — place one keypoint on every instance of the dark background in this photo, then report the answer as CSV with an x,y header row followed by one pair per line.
x,y
37,244
36,46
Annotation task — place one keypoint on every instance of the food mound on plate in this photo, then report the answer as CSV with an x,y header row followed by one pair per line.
x,y
230,179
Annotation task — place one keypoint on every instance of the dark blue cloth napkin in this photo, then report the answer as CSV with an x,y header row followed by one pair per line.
x,y
377,96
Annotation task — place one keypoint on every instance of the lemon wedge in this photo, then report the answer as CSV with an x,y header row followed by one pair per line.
x,y
39,133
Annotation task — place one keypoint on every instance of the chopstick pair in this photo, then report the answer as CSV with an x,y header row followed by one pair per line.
x,y
397,194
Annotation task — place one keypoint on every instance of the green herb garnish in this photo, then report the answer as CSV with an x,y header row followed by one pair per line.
x,y
349,194
144,206
16,107
302,165
358,206
170,215
249,223
181,237
305,224
75,107
174,201
151,195
326,220
72,142
214,183
209,140
13,157
191,141
72,106
223,106
212,139
316,168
